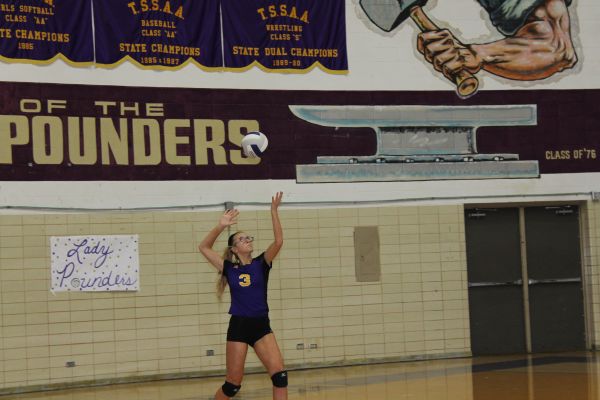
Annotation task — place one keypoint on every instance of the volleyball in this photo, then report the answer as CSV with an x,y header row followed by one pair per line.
x,y
254,144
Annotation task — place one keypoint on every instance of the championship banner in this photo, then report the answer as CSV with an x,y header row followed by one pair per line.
x,y
158,34
285,35
39,31
94,263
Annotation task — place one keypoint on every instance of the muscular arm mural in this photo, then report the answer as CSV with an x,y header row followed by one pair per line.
x,y
537,44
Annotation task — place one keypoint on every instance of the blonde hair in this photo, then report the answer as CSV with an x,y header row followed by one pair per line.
x,y
231,257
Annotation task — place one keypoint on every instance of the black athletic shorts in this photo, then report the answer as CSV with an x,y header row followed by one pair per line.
x,y
248,330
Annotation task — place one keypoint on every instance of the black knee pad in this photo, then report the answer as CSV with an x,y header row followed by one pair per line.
x,y
280,379
230,389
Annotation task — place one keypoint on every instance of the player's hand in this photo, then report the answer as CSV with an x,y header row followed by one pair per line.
x,y
229,218
447,54
276,201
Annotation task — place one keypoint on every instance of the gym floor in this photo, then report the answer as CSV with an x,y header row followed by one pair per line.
x,y
540,377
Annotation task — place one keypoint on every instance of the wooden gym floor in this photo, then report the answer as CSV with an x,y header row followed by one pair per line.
x,y
572,376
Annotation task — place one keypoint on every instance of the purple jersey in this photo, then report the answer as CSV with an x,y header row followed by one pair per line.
x,y
248,286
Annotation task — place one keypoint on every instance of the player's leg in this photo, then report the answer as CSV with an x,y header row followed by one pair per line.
x,y
235,359
268,352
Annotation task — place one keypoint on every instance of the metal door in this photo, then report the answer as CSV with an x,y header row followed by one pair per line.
x,y
495,281
554,271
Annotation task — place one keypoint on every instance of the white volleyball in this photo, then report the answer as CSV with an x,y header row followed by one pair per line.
x,y
254,144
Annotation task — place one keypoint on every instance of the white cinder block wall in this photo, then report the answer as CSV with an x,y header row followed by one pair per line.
x,y
591,259
419,309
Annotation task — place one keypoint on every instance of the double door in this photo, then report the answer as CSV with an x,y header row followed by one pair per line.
x,y
524,274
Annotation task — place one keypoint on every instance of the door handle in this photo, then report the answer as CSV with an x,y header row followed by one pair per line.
x,y
562,280
492,284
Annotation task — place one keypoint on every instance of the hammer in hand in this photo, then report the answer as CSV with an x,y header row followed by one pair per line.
x,y
388,14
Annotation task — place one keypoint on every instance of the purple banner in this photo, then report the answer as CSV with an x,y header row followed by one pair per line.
x,y
40,30
285,34
158,33
80,132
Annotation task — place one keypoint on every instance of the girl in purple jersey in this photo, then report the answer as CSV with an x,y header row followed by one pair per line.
x,y
247,278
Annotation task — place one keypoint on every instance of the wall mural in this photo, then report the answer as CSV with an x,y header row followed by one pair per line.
x,y
418,143
536,45
77,132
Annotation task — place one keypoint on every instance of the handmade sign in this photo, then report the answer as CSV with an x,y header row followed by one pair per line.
x,y
94,263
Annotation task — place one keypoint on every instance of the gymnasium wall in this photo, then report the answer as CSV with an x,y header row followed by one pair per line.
x,y
377,60
419,309
591,269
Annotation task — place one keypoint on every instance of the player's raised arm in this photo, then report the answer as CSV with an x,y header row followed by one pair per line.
x,y
228,218
274,247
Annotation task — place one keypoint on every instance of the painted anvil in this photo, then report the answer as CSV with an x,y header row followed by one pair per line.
x,y
418,143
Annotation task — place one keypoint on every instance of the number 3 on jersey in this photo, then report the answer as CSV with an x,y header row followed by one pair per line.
x,y
245,280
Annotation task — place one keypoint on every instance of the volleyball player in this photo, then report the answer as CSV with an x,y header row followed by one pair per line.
x,y
249,323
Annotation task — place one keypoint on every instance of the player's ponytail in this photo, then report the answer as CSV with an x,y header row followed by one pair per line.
x,y
231,257
221,284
